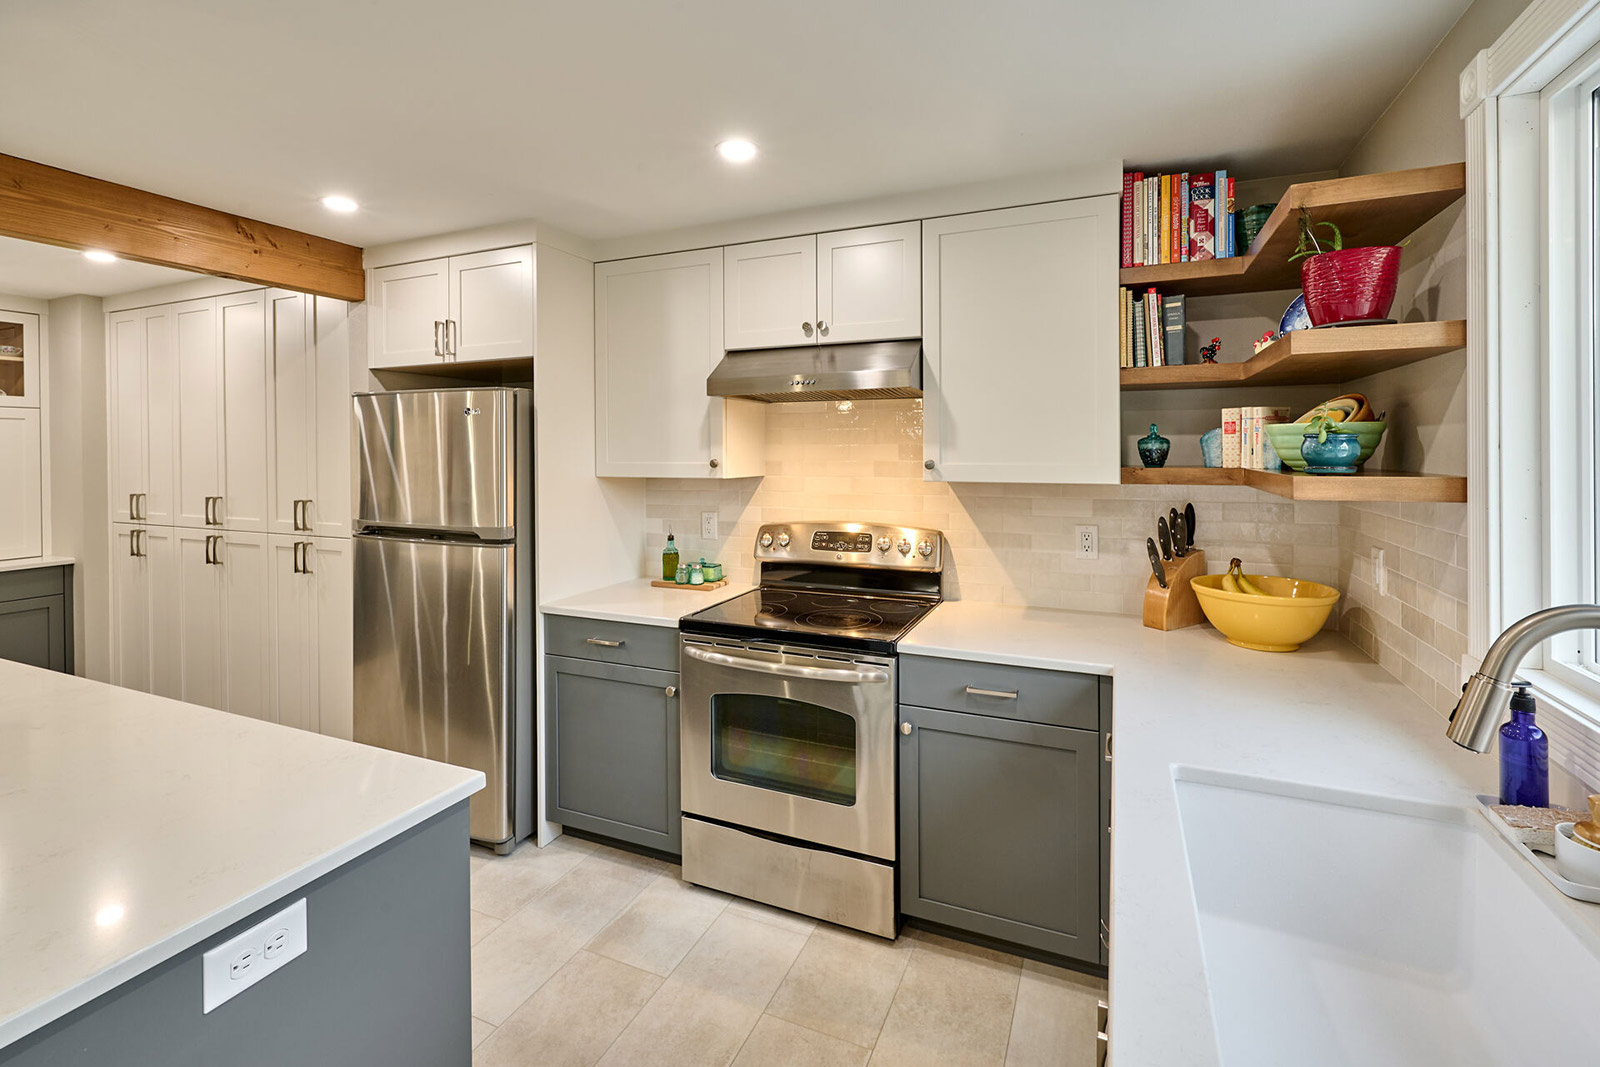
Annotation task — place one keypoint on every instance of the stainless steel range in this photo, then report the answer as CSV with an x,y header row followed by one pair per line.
x,y
788,719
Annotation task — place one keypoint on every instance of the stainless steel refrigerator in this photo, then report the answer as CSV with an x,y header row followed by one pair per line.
x,y
444,589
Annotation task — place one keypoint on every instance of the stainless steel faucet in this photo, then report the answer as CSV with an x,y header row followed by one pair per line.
x,y
1486,694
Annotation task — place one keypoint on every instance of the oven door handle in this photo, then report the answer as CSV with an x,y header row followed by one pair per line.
x,y
787,670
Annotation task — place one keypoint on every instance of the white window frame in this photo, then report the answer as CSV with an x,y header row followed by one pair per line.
x,y
1532,515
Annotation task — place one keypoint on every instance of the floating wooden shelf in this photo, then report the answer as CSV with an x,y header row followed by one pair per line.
x,y
1312,357
1368,485
1370,209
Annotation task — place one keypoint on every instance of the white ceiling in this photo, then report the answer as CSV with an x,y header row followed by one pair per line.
x,y
45,272
600,117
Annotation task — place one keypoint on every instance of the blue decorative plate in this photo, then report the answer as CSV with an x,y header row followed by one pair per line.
x,y
1294,316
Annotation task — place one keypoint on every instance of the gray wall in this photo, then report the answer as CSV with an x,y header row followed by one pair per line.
x,y
385,980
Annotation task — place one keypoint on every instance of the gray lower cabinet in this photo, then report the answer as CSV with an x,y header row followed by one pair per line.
x,y
1002,822
36,617
611,748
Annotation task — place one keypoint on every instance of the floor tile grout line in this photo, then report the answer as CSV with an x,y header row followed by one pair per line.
x,y
787,971
1016,998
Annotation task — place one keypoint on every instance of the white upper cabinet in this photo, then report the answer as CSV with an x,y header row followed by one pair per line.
x,y
142,382
22,513
455,309
407,308
658,336
1020,341
19,360
308,348
246,411
869,284
197,349
491,305
770,293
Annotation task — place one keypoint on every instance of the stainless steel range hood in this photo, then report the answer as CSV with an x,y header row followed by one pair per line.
x,y
876,370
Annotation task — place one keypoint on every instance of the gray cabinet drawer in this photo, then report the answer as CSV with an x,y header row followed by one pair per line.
x,y
34,631
39,581
1055,698
611,759
612,642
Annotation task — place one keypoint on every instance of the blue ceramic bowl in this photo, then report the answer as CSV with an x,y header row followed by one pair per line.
x,y
1295,316
1338,454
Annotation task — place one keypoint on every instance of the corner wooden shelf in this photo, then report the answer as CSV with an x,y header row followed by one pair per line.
x,y
1370,209
1313,357
1367,485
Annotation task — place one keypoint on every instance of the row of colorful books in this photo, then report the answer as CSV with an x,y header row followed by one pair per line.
x,y
1244,437
1152,328
1175,218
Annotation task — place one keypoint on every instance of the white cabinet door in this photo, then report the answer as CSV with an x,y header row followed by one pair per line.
x,y
294,634
407,307
491,305
246,407
770,292
21,507
294,436
332,469
127,410
1020,338
197,357
869,284
244,561
658,326
19,360
331,568
143,646
159,505
198,620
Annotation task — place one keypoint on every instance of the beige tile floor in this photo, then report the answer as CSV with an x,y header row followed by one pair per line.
x,y
584,954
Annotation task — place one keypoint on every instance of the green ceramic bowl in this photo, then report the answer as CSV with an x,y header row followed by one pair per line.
x,y
1287,437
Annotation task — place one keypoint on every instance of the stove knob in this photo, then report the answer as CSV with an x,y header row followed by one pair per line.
x,y
783,539
883,544
904,546
925,549
766,539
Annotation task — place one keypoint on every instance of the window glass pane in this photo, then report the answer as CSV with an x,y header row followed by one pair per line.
x,y
785,745
11,379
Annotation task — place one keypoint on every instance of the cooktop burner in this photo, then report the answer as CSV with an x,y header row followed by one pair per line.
x,y
818,617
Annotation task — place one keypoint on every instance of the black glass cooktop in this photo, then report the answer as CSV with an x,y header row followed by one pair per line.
x,y
840,620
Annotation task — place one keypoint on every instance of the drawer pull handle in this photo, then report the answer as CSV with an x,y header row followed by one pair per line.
x,y
671,691
1108,746
603,643
906,728
1002,694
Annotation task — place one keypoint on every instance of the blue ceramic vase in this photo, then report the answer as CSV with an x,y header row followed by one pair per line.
x,y
1335,455
1153,448
1211,447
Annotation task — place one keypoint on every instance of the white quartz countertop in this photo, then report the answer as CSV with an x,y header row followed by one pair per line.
x,y
133,827
1324,715
639,601
32,563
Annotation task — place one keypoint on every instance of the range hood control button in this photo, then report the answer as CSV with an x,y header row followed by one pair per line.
x,y
766,539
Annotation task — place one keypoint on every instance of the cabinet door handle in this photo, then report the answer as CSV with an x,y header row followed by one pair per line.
x,y
450,331
305,557
1002,694
143,506
438,339
671,691
805,328
133,506
294,552
906,728
208,550
822,328
208,511
603,643
715,464
1107,755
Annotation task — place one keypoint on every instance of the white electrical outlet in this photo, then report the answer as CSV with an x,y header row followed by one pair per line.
x,y
1380,573
1088,542
242,961
708,525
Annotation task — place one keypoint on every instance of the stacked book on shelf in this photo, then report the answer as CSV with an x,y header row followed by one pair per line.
x,y
1176,218
1152,328
1244,437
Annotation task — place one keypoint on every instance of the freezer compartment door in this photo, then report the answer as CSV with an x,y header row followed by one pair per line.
x,y
435,662
438,459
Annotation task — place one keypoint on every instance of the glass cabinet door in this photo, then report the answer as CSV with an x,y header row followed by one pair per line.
x,y
19,359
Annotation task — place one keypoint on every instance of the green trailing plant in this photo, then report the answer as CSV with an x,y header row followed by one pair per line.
x,y
1324,424
1308,245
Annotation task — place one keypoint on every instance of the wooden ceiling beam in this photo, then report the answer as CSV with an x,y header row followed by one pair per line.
x,y
58,207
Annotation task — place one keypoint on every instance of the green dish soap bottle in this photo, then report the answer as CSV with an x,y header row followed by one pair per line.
x,y
669,560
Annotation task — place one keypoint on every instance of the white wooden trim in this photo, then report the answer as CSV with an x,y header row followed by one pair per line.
x,y
200,288
28,304
1483,497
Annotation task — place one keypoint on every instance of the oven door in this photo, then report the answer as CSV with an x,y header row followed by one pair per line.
x,y
793,741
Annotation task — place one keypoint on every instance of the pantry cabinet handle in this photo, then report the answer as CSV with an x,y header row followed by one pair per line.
x,y
438,339
208,521
805,328
133,506
305,557
450,331
603,643
1002,694
822,328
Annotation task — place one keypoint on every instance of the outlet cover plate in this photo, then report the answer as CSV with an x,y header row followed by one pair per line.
x,y
1086,542
708,525
285,932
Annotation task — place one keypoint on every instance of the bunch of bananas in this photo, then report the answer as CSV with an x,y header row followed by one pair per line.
x,y
1235,581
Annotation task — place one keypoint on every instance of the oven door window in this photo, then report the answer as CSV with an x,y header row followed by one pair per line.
x,y
784,745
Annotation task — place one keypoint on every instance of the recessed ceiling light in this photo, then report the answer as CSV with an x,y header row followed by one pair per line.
x,y
342,204
98,256
737,151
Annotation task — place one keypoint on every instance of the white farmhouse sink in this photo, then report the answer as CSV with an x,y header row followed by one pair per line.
x,y
1344,929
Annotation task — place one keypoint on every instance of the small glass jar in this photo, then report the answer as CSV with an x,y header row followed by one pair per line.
x,y
683,574
697,574
713,571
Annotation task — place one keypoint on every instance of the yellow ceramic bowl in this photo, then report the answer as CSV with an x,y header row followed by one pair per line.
x,y
1281,622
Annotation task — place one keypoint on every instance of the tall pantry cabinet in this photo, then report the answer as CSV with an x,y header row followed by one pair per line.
x,y
230,494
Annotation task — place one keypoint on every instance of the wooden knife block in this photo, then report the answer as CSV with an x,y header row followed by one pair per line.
x,y
1176,606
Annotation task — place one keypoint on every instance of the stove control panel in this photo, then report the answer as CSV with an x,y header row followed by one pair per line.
x,y
858,544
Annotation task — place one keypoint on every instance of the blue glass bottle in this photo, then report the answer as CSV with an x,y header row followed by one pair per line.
x,y
1524,755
